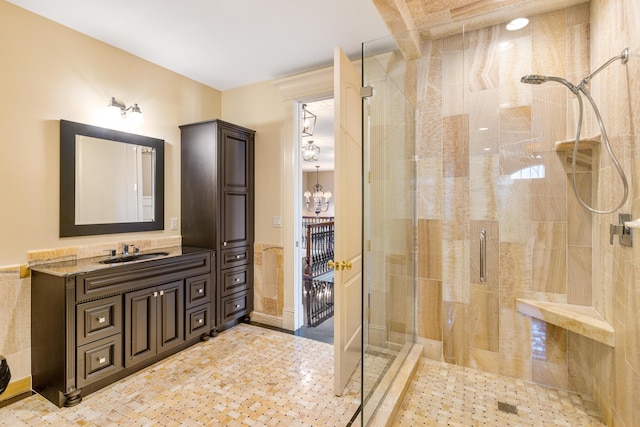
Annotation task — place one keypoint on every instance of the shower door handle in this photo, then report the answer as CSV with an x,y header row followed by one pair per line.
x,y
483,255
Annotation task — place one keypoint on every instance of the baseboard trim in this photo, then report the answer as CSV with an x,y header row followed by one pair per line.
x,y
15,391
266,319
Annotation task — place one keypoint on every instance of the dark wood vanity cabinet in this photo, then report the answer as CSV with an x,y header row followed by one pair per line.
x,y
217,188
89,329
154,320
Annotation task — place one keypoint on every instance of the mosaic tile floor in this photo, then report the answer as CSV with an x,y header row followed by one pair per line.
x,y
450,395
253,376
246,376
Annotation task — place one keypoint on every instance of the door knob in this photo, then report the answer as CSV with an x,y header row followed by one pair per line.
x,y
339,265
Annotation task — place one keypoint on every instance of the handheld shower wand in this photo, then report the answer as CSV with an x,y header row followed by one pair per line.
x,y
581,87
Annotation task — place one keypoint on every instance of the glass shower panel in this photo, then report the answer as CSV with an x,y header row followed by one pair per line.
x,y
389,221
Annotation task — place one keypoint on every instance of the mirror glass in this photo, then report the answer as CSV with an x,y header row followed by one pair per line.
x,y
110,181
103,196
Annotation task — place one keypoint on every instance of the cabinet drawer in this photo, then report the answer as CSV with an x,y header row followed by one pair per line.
x,y
126,278
235,280
98,319
98,360
235,256
234,306
198,290
198,321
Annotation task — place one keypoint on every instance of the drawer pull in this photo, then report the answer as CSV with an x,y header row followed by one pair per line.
x,y
200,320
237,305
238,256
102,319
101,360
237,280
161,293
155,294
200,290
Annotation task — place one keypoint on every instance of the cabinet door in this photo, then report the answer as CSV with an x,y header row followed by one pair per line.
x,y
170,302
140,326
236,183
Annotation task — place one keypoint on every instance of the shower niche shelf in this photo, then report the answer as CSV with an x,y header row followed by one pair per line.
x,y
581,319
588,149
583,144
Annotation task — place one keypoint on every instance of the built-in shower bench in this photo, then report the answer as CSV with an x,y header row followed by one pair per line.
x,y
581,319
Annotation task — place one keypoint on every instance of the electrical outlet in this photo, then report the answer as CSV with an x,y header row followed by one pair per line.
x,y
277,221
174,223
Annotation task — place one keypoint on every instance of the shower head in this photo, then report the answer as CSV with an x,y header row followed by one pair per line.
x,y
535,79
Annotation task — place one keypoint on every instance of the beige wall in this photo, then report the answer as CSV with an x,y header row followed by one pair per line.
x,y
50,73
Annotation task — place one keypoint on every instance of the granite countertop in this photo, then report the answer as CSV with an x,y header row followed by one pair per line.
x,y
87,265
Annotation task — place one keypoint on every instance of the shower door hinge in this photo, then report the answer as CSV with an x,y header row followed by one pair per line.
x,y
366,92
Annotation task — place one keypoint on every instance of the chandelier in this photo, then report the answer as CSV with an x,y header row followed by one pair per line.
x,y
308,121
320,198
310,152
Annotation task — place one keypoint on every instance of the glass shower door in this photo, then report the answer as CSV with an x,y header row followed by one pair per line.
x,y
389,222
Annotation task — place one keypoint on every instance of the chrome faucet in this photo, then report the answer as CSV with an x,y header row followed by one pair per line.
x,y
126,247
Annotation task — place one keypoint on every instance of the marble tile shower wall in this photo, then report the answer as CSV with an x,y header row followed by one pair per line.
x,y
487,160
612,375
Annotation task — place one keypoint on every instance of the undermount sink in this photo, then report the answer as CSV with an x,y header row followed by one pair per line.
x,y
133,257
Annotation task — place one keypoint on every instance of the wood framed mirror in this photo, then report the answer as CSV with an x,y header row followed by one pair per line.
x,y
110,181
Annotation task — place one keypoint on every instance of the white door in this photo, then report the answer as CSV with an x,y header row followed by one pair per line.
x,y
348,222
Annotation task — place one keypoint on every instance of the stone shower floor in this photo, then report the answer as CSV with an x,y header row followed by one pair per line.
x,y
253,376
449,395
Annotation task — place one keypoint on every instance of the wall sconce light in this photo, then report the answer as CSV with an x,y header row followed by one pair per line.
x,y
310,152
308,121
135,114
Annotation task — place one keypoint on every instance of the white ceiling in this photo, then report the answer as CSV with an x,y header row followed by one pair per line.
x,y
223,43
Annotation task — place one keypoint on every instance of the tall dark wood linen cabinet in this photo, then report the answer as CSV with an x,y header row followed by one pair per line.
x,y
217,203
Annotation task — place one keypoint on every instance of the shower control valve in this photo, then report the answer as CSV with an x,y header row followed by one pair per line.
x,y
621,230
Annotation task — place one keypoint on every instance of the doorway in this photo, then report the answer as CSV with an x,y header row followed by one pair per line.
x,y
316,217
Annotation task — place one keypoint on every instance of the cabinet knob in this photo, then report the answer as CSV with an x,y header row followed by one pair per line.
x,y
101,360
237,305
101,319
237,280
238,256
200,290
161,293
224,243
155,294
200,320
